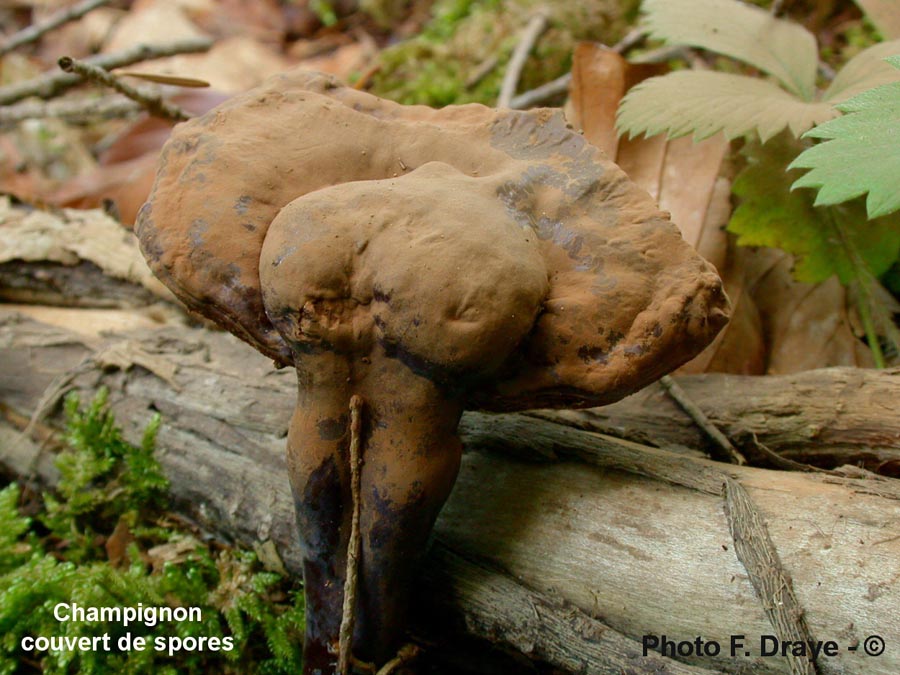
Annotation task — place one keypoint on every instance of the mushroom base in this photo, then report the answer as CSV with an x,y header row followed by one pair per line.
x,y
410,459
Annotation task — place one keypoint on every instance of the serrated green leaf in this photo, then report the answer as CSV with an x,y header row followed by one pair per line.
x,y
870,68
836,240
703,103
751,34
861,153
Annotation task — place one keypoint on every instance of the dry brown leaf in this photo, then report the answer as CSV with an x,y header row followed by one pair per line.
x,y
80,39
117,544
343,61
128,166
129,353
233,65
805,326
88,323
261,20
741,347
34,235
156,22
598,84
885,14
178,550
690,174
642,159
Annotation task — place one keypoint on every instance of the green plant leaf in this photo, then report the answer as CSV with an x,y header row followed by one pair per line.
x,y
837,240
751,34
864,71
706,102
861,153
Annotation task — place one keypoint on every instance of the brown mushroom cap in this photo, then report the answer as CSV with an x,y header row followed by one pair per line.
x,y
496,250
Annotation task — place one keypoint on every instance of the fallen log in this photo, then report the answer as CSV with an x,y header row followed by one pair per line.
x,y
826,417
591,541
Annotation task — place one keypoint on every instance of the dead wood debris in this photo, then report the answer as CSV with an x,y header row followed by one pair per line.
x,y
728,452
561,84
73,110
36,31
152,102
533,30
51,84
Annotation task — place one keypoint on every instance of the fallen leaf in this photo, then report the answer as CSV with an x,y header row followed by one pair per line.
x,y
117,544
178,550
884,14
690,174
89,323
598,84
157,22
233,65
805,326
128,166
35,235
740,348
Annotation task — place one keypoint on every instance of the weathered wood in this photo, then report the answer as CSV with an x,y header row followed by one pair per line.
x,y
631,536
826,417
80,285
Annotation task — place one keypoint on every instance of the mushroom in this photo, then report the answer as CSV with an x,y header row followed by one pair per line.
x,y
425,262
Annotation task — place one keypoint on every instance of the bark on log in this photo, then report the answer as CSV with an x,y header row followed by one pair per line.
x,y
79,285
826,418
600,540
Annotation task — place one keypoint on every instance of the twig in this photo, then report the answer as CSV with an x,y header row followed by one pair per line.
x,y
754,548
783,462
663,54
539,94
366,78
777,6
536,25
482,71
406,654
154,103
729,452
345,640
36,31
561,84
632,39
77,110
51,84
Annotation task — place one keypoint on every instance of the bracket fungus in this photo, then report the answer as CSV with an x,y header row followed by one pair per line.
x,y
424,262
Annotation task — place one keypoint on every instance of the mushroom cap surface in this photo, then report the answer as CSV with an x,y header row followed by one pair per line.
x,y
496,252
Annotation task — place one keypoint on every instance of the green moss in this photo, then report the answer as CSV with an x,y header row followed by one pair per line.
x,y
434,67
108,487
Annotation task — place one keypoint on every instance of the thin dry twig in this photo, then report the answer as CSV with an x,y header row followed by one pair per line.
x,y
561,84
345,639
785,463
153,102
406,654
36,31
536,25
482,71
728,452
51,84
76,110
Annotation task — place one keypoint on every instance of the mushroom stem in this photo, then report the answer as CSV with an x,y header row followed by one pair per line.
x,y
412,456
